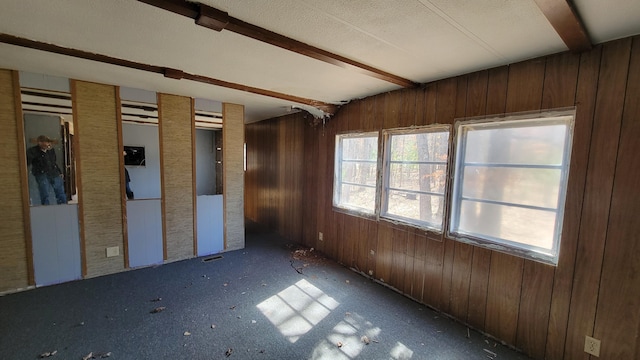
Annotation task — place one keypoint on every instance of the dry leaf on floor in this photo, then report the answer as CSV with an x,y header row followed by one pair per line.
x,y
186,333
339,344
156,299
233,307
365,339
213,326
103,355
158,309
88,356
228,352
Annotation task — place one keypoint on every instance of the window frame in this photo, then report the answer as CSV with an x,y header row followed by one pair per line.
x,y
457,179
387,135
337,171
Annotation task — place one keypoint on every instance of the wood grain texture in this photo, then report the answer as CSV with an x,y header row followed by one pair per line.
x,y
175,123
597,193
98,157
543,310
14,267
617,318
584,69
233,168
123,194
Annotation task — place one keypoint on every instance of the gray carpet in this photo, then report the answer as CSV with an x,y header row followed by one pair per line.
x,y
267,301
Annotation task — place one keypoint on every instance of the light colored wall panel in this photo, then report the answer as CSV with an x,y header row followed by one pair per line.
x,y
100,192
14,267
233,178
56,244
210,224
176,148
144,224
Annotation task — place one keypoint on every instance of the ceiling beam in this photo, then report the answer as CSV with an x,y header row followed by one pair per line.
x,y
565,20
165,71
219,20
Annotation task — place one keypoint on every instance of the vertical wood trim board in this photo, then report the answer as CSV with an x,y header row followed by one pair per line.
x,y
194,199
233,168
76,147
14,267
175,124
123,195
99,158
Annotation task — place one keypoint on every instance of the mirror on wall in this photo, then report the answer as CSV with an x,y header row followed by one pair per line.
x,y
48,131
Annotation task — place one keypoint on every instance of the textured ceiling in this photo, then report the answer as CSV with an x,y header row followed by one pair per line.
x,y
420,40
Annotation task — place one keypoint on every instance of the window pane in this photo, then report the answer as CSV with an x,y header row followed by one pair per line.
x,y
416,162
418,177
360,148
356,172
517,145
430,146
421,207
526,226
359,197
359,173
523,186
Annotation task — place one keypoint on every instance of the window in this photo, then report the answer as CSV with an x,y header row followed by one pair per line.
x,y
415,174
356,172
510,183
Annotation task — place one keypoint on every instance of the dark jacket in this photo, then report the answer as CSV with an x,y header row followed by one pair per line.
x,y
42,162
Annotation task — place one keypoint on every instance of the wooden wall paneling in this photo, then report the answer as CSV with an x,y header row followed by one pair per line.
x,y
537,278
174,118
597,194
361,248
410,260
398,258
391,109
283,174
351,237
560,79
100,194
446,102
432,286
420,107
585,95
310,184
342,220
430,100
497,90
462,253
323,193
372,246
251,188
617,322
503,297
384,252
15,240
524,89
535,302
370,119
331,228
476,104
417,278
407,111
478,287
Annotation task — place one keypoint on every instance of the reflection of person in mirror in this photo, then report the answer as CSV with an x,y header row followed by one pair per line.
x,y
127,180
42,158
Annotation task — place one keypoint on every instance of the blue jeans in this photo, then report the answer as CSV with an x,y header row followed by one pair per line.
x,y
58,188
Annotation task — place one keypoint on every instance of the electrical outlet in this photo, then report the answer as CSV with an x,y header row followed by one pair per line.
x,y
320,236
113,251
592,346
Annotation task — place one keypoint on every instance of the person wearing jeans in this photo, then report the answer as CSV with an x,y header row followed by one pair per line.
x,y
42,158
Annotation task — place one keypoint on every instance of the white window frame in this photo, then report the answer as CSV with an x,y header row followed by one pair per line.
x,y
515,248
337,172
387,135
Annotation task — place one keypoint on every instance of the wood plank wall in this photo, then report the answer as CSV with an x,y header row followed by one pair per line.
x,y
546,311
14,252
99,191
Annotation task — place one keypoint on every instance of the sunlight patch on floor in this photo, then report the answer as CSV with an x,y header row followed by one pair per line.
x,y
297,309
